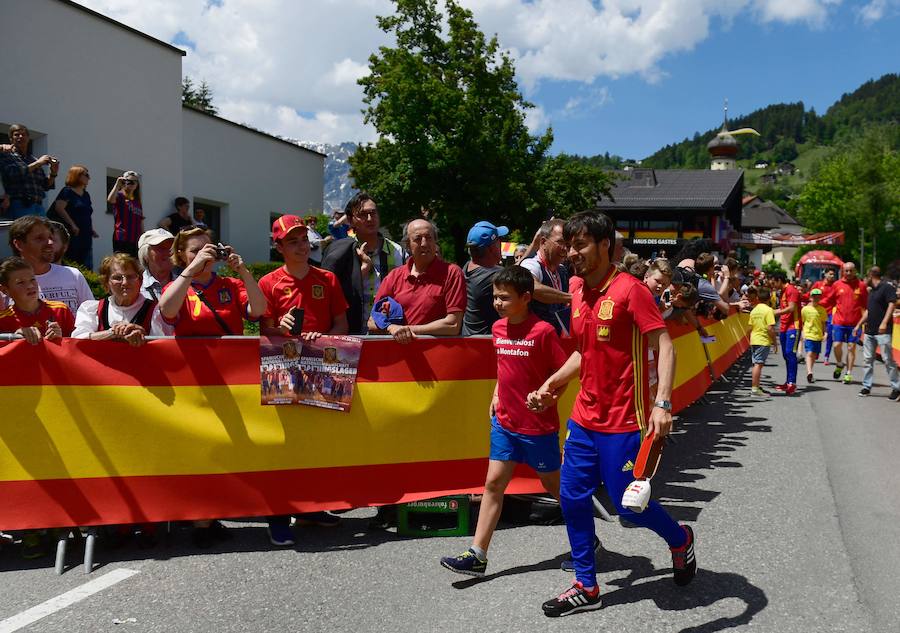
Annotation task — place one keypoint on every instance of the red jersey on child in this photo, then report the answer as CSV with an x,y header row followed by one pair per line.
x,y
318,293
527,354
229,298
12,318
610,322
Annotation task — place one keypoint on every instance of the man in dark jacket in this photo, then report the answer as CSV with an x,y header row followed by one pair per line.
x,y
361,262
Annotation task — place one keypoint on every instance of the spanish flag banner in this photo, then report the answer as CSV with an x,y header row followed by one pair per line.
x,y
101,433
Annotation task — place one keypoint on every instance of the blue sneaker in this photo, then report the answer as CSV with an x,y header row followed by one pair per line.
x,y
280,534
569,564
319,519
467,564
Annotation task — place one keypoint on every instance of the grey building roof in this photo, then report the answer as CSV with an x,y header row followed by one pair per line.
x,y
674,189
105,18
763,214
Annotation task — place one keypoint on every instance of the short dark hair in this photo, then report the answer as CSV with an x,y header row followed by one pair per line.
x,y
180,200
778,276
20,229
763,294
11,265
517,278
704,263
356,202
597,225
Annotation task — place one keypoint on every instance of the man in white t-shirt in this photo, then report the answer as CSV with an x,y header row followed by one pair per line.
x,y
31,239
551,280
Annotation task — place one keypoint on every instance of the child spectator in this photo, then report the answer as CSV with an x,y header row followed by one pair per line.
x,y
762,336
31,316
814,318
528,352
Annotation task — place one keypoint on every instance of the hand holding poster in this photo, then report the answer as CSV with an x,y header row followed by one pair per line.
x,y
319,373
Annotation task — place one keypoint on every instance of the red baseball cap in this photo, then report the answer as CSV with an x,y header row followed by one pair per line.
x,y
284,225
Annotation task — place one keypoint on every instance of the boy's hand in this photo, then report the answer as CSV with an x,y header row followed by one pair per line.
x,y
31,334
492,411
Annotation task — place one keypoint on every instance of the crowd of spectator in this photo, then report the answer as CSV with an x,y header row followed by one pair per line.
x,y
164,281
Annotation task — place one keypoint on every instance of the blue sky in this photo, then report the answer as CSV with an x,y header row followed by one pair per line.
x,y
623,76
751,64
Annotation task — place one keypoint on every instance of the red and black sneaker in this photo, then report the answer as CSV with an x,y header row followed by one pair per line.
x,y
684,563
572,600
781,387
791,389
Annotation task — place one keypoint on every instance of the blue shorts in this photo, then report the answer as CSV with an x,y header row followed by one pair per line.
x,y
844,334
812,346
541,452
759,353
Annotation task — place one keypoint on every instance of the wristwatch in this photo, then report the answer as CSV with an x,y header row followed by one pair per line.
x,y
665,405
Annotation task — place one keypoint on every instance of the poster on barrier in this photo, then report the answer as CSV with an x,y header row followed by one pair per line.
x,y
320,373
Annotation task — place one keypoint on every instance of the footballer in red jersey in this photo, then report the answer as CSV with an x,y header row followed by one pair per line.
x,y
614,319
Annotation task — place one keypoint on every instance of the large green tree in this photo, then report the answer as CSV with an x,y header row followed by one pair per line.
x,y
451,122
859,187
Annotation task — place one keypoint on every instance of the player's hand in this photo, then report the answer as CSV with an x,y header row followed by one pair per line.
x,y
53,331
30,334
403,334
660,422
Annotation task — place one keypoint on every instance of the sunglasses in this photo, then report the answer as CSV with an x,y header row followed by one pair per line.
x,y
130,182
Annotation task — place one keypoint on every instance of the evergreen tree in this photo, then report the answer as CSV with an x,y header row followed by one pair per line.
x,y
199,98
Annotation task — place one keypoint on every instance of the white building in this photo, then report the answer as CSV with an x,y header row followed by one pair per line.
x,y
96,92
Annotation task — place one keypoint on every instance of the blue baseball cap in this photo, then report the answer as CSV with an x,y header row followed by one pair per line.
x,y
394,313
483,233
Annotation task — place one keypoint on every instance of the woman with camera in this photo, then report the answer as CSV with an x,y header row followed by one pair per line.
x,y
201,303
125,196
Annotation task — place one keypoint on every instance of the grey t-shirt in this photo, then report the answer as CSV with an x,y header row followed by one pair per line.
x,y
480,314
707,291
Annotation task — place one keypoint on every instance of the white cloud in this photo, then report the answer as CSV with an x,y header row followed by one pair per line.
x,y
876,10
585,101
290,67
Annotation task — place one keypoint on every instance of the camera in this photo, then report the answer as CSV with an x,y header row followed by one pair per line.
x,y
222,252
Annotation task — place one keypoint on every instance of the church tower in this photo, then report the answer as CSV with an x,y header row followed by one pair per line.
x,y
723,148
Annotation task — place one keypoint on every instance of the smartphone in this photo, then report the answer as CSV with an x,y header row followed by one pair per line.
x,y
666,295
297,328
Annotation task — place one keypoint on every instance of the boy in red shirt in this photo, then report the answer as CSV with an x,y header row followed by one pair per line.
x,y
528,352
31,316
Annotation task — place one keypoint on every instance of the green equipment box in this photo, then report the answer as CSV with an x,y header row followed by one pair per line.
x,y
445,516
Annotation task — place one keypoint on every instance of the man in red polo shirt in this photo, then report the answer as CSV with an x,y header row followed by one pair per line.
x,y
299,285
614,321
788,314
850,297
431,291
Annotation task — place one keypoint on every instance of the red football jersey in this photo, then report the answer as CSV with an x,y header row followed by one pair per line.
x,y
610,323
850,301
229,298
318,293
790,320
12,318
527,354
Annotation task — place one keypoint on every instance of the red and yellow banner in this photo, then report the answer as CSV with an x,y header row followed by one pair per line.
x,y
98,432
895,339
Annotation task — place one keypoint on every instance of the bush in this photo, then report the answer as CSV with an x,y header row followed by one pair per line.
x,y
93,279
773,266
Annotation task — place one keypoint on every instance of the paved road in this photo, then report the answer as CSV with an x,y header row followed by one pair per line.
x,y
793,499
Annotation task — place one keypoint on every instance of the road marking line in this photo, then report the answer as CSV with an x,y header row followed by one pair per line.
x,y
29,616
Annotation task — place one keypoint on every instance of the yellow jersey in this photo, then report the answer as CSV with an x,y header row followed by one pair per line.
x,y
761,317
814,318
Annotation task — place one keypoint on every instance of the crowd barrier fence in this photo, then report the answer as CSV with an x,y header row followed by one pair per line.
x,y
96,433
